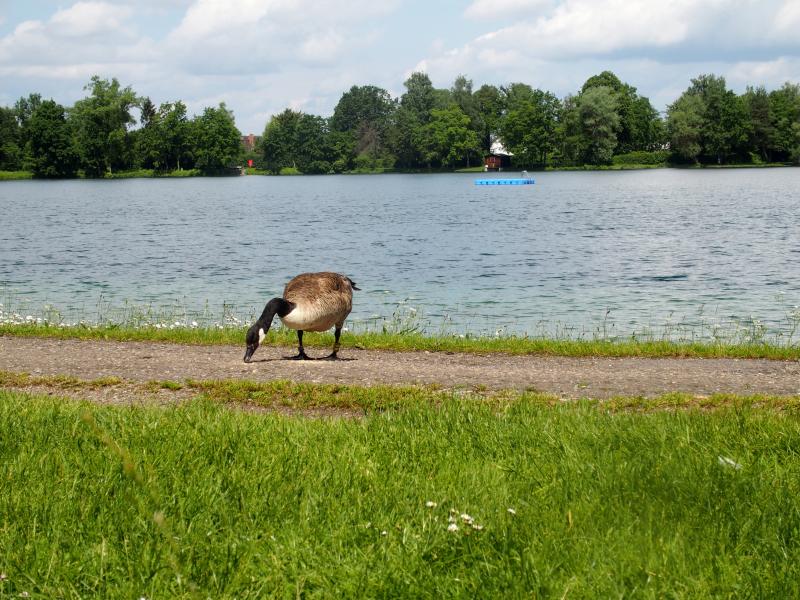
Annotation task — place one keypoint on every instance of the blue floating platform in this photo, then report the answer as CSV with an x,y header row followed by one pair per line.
x,y
520,181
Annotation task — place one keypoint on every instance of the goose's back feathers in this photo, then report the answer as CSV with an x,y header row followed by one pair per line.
x,y
321,300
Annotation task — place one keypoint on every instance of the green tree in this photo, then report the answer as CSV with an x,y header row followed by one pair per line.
x,y
10,151
756,101
165,140
784,109
528,129
176,138
53,152
366,104
419,98
450,139
364,114
599,121
726,124
569,141
299,140
217,142
410,141
685,127
103,121
490,105
640,126
277,142
311,148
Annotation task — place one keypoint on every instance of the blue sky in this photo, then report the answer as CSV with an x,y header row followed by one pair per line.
x,y
261,56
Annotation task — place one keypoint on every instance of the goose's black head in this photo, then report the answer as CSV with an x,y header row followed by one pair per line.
x,y
253,339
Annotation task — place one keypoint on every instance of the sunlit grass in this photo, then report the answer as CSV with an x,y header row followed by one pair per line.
x,y
15,175
407,329
411,341
457,498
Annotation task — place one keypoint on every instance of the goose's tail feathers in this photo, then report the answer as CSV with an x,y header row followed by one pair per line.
x,y
353,284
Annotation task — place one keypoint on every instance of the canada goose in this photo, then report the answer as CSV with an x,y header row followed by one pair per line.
x,y
311,302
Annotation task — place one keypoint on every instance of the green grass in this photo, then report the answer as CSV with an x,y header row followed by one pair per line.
x,y
202,501
412,341
15,175
145,173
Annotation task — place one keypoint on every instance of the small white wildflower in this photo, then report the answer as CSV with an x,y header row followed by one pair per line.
x,y
728,462
24,595
451,519
430,504
452,527
477,527
511,511
467,519
194,323
383,532
3,576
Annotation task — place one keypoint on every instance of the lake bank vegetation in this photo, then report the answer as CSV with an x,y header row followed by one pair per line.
x,y
607,124
427,494
742,346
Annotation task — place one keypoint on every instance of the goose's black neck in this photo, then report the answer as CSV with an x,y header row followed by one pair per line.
x,y
276,306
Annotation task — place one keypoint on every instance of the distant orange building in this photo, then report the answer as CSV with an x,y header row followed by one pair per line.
x,y
250,141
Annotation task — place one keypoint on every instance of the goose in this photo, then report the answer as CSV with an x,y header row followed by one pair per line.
x,y
311,302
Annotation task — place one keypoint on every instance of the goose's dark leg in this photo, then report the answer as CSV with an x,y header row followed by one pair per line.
x,y
301,354
337,333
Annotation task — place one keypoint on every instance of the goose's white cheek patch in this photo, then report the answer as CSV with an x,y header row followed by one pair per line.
x,y
261,336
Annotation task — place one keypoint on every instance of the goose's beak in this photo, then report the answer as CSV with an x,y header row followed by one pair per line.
x,y
248,354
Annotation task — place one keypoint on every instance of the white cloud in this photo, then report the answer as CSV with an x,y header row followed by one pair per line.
x,y
494,9
555,43
89,18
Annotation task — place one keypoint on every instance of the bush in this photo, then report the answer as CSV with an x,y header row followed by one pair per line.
x,y
642,157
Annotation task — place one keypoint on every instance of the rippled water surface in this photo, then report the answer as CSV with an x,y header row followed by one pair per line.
x,y
648,246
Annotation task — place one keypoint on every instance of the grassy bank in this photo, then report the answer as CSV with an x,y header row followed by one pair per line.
x,y
15,175
455,499
419,342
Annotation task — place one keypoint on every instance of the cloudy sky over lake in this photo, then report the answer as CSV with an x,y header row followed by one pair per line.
x,y
261,56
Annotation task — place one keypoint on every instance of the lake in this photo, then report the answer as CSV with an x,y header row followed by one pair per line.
x,y
577,254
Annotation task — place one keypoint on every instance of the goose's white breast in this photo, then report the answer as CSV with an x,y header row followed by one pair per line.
x,y
308,318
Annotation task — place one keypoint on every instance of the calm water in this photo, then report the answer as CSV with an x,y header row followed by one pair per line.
x,y
651,247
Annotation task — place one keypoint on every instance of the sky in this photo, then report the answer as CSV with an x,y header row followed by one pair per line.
x,y
262,56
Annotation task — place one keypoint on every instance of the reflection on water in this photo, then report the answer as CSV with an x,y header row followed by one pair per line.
x,y
576,251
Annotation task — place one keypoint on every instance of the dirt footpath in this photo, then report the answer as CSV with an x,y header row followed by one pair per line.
x,y
565,377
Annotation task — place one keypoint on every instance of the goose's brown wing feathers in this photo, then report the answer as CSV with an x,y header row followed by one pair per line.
x,y
321,301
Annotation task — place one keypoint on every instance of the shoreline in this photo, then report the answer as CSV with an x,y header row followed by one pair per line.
x,y
191,173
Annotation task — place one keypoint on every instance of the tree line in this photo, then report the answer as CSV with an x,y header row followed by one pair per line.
x,y
426,128
96,136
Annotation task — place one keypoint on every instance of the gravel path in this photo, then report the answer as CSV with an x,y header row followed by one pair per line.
x,y
565,377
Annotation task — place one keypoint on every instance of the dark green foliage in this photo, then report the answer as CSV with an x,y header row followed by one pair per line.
x,y
164,142
642,157
710,123
10,150
599,123
102,123
217,142
426,128
450,139
490,105
53,153
529,125
784,115
297,140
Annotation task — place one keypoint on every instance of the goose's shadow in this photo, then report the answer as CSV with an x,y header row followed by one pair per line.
x,y
287,358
